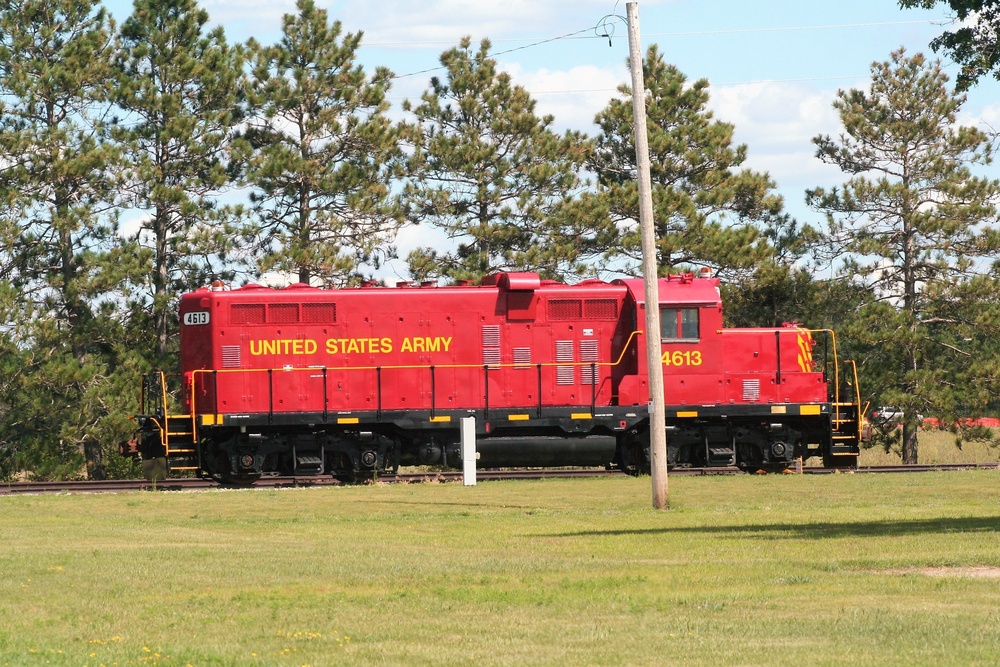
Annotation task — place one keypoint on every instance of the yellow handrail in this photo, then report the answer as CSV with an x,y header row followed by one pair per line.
x,y
582,364
833,339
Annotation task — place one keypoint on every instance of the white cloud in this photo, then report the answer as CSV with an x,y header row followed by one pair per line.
x,y
777,122
573,97
409,238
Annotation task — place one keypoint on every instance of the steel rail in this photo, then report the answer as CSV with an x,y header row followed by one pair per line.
x,y
275,481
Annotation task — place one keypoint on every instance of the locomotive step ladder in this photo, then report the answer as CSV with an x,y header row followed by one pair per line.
x,y
720,456
847,418
308,464
174,431
178,443
845,437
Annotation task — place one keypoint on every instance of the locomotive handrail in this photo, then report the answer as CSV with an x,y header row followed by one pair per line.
x,y
163,406
285,369
380,368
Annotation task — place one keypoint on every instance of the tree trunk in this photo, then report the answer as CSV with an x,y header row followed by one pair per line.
x,y
161,280
909,443
95,459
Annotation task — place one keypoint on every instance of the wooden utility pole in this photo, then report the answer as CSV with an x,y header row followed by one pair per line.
x,y
657,421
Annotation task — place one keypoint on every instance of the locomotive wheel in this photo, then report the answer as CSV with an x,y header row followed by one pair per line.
x,y
633,457
220,468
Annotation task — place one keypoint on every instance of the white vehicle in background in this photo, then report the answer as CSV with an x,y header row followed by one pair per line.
x,y
887,414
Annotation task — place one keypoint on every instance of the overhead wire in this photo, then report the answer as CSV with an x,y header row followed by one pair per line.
x,y
607,24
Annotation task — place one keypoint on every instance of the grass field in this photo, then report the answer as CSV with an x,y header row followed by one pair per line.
x,y
935,446
747,570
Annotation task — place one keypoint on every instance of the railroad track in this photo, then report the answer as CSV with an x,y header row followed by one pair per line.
x,y
189,484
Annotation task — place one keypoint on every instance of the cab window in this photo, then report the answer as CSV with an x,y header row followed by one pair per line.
x,y
679,323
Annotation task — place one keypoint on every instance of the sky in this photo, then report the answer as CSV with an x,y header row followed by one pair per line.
x,y
774,66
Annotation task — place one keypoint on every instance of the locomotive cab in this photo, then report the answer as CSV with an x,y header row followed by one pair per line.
x,y
756,398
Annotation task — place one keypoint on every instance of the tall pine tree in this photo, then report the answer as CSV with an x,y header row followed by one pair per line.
x,y
494,178
325,153
62,260
180,89
913,224
705,209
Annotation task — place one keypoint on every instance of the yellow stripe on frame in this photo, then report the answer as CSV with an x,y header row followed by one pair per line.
x,y
691,413
518,418
809,410
778,409
581,415
441,418
208,420
347,420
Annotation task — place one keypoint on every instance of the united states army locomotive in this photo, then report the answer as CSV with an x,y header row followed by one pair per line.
x,y
357,382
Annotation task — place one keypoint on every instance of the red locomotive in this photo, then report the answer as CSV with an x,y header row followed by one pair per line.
x,y
360,381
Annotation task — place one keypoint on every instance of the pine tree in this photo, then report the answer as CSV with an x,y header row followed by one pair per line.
x,y
61,254
492,175
325,152
705,211
180,90
913,224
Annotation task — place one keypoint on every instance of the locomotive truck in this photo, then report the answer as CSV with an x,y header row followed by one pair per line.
x,y
357,382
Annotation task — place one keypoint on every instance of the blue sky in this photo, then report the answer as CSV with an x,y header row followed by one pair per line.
x,y
774,65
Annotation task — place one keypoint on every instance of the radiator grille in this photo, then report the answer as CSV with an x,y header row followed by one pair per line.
x,y
230,356
315,313
751,390
246,313
589,351
564,352
283,313
565,309
491,345
600,309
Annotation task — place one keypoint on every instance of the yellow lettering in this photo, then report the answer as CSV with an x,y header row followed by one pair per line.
x,y
407,345
681,358
357,345
447,342
286,346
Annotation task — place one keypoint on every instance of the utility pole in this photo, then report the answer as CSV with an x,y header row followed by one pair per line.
x,y
657,418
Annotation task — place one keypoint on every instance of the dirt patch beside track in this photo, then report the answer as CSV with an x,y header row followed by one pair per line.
x,y
975,571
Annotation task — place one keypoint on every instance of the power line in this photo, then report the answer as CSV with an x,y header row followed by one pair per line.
x,y
535,41
608,34
837,26
500,53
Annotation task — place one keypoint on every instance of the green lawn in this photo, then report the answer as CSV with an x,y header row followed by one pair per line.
x,y
747,570
935,446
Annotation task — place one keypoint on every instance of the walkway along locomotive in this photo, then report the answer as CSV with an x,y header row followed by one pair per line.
x,y
357,382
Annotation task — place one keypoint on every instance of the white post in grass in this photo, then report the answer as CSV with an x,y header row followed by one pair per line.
x,y
469,450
